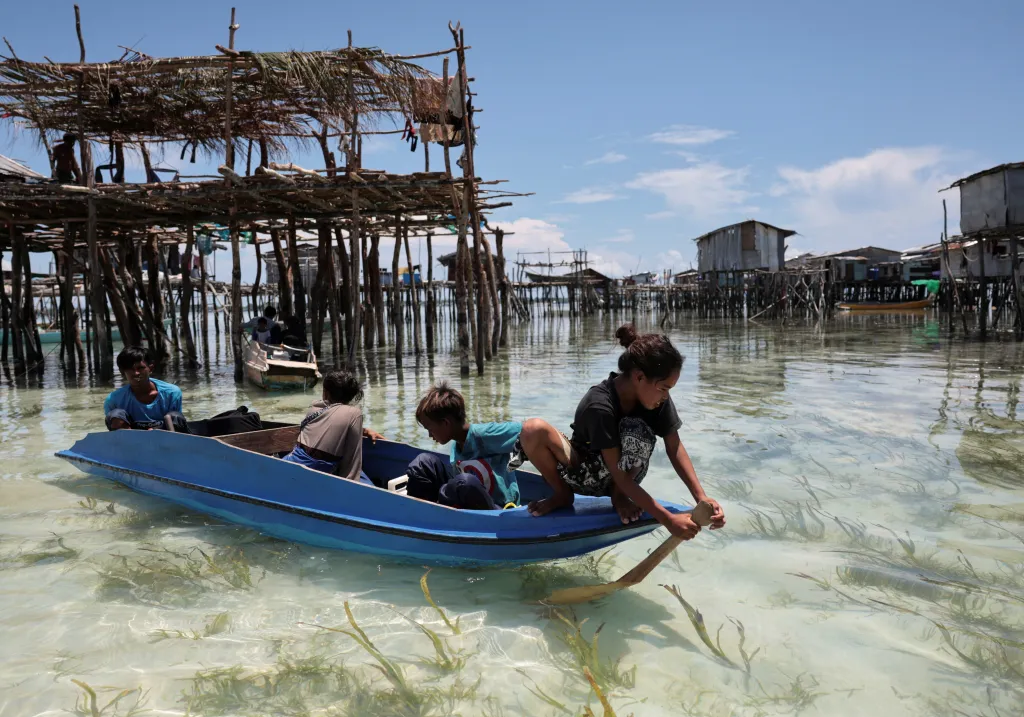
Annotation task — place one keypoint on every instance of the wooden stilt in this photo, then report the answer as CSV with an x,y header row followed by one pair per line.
x,y
299,300
373,280
396,295
431,315
415,300
186,298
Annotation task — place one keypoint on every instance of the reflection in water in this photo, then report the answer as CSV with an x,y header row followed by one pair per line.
x,y
870,470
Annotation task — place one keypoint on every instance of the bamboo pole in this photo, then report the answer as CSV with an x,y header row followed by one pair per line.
x,y
33,347
354,161
344,291
499,240
332,294
166,258
204,318
431,309
299,301
17,276
396,295
259,276
186,298
156,303
369,325
103,359
983,280
284,274
480,344
1018,294
461,303
5,312
373,279
415,299
494,309
110,284
236,256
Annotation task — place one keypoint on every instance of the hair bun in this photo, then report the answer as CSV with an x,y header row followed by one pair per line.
x,y
626,334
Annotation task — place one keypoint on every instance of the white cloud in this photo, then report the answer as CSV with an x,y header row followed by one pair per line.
x,y
683,134
673,260
614,264
623,236
608,158
886,198
588,195
657,216
528,234
706,190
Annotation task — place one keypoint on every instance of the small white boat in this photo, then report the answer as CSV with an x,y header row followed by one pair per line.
x,y
279,367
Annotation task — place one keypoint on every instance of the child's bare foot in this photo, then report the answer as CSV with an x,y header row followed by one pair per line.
x,y
542,507
629,512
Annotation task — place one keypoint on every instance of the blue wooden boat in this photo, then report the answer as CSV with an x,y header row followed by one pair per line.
x,y
237,478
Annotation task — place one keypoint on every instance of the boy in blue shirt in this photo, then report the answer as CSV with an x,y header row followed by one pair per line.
x,y
142,402
478,475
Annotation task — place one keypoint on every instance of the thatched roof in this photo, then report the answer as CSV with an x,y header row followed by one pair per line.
x,y
275,94
423,197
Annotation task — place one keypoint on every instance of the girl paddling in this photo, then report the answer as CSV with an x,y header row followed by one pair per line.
x,y
614,433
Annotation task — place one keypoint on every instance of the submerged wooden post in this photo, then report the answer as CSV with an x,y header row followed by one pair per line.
x,y
166,258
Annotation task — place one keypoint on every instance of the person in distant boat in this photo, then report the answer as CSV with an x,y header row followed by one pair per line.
x,y
262,331
478,475
615,431
294,332
65,165
142,402
276,335
331,435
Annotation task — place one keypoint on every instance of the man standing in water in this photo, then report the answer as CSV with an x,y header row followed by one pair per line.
x,y
65,164
143,402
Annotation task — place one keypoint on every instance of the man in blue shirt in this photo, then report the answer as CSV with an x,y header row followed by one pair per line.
x,y
142,402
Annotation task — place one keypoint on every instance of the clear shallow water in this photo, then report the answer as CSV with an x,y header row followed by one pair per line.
x,y
873,563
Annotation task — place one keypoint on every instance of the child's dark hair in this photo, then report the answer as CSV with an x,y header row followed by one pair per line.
x,y
262,320
270,312
652,354
441,401
342,387
131,355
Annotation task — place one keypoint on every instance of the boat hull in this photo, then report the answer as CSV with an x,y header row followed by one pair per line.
x,y
271,374
902,306
294,503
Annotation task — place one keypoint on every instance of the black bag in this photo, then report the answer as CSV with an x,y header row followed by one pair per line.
x,y
239,420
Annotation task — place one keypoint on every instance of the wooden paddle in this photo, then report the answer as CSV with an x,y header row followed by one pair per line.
x,y
701,515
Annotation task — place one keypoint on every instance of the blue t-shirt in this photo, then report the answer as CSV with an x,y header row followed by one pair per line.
x,y
168,399
486,454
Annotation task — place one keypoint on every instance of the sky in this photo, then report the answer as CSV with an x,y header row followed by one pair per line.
x,y
639,126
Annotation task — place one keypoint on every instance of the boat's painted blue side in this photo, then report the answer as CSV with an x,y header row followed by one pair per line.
x,y
295,503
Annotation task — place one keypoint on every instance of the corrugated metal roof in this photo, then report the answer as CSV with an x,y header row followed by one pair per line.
x,y
784,232
13,168
991,170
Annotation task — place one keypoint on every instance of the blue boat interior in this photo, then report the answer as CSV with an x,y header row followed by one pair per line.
x,y
382,461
